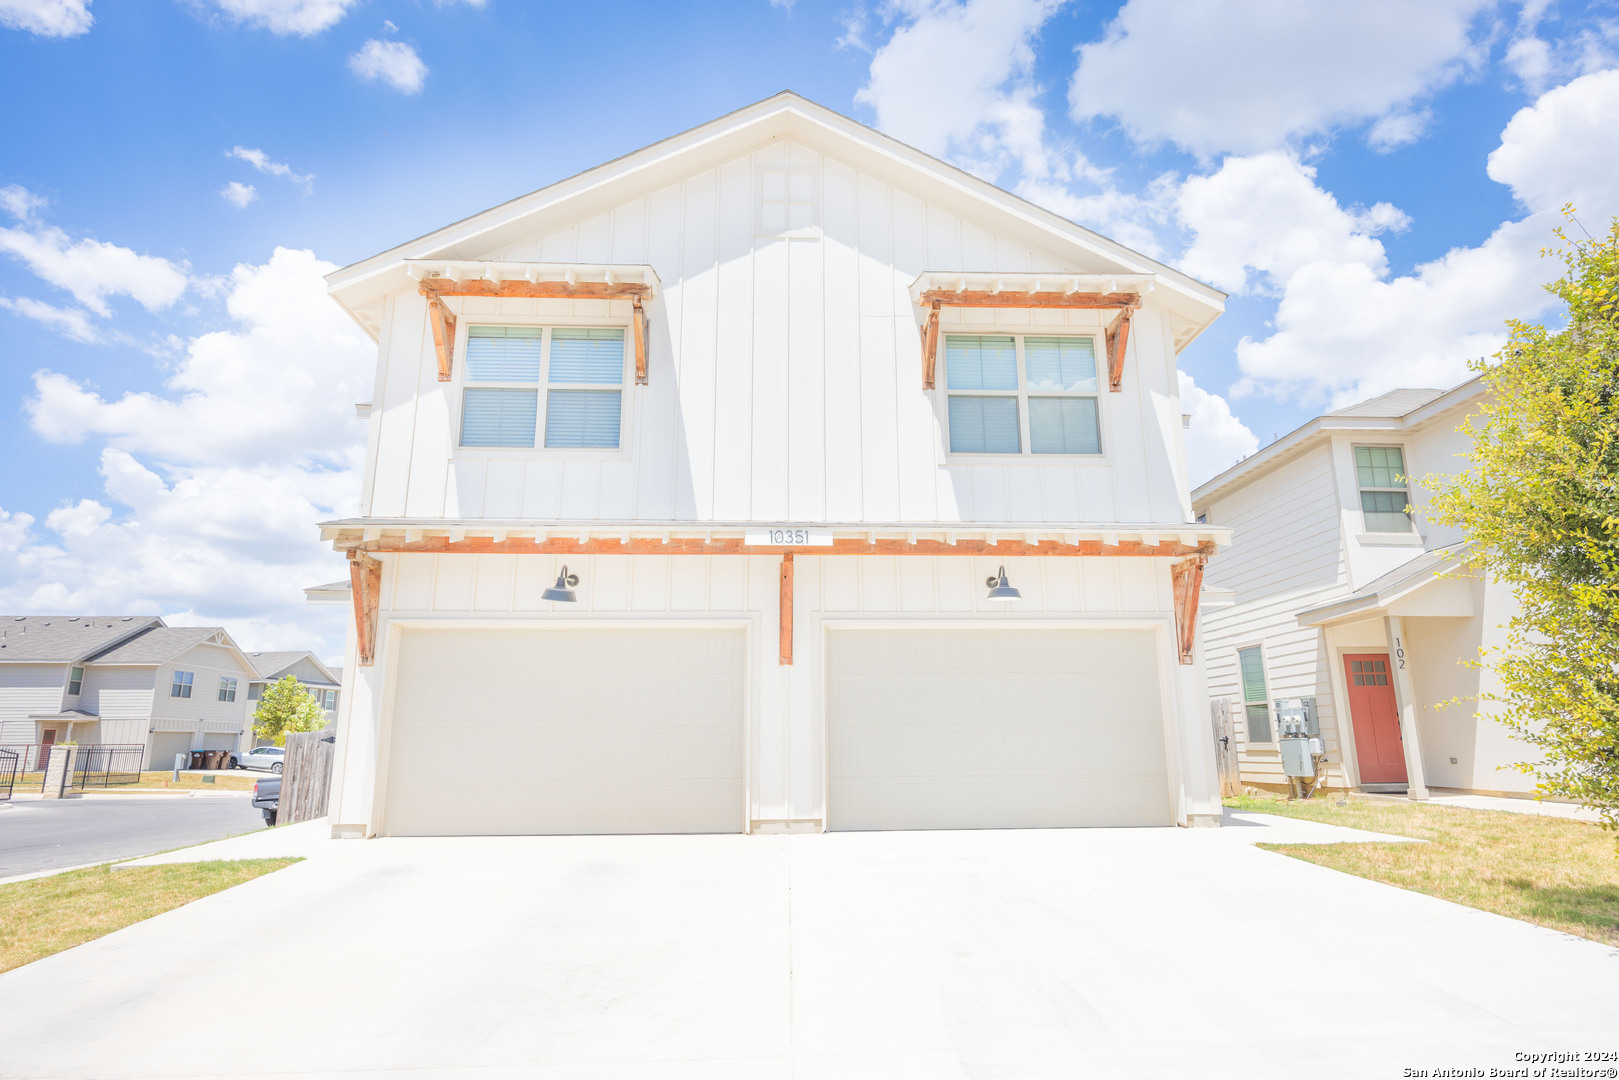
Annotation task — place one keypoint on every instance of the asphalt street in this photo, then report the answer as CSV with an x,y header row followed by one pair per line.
x,y
48,834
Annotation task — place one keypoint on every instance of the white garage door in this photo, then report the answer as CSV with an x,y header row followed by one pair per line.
x,y
972,729
566,731
165,745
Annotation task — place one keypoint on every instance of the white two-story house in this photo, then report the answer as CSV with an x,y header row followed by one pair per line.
x,y
1343,597
776,476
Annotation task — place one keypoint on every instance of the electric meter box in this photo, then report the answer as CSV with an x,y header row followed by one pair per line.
x,y
1297,759
1296,716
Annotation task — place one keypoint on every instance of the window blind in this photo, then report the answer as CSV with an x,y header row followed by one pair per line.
x,y
581,354
582,418
1060,363
1064,426
504,353
1253,674
983,425
974,362
491,417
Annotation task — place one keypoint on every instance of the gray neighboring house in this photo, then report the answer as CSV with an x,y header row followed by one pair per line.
x,y
128,680
322,682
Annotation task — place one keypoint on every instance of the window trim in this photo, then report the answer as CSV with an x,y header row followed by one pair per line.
x,y
181,688
626,414
1025,455
1244,703
227,686
75,683
1405,489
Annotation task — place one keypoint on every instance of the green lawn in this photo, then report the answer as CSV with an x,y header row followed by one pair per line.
x,y
1551,871
50,914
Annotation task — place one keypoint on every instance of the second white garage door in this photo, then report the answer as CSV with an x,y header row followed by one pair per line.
x,y
572,730
972,729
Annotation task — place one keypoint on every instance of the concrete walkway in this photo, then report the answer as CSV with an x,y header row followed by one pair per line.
x,y
1441,797
1128,953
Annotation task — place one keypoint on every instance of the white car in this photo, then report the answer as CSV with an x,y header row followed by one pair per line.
x,y
268,758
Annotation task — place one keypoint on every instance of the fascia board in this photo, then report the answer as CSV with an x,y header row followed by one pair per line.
x,y
1298,441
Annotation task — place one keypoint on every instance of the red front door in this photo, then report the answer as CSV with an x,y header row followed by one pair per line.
x,y
1376,717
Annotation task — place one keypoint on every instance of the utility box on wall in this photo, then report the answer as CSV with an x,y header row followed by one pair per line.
x,y
1296,716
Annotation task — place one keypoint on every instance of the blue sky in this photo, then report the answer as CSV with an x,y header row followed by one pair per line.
x,y
1314,159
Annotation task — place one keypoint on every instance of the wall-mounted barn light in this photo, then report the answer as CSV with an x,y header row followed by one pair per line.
x,y
563,589
999,589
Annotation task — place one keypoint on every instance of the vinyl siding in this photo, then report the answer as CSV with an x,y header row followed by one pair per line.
x,y
26,689
119,692
208,663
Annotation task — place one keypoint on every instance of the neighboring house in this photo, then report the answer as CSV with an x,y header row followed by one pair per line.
x,y
685,477
1343,597
322,682
123,680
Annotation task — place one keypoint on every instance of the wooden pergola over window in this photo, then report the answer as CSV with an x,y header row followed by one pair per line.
x,y
1089,292
531,281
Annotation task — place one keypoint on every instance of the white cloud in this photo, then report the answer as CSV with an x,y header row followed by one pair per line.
x,y
392,62
211,487
1398,129
1344,329
1251,75
91,270
1266,214
47,18
21,203
261,161
301,17
1215,439
71,321
239,194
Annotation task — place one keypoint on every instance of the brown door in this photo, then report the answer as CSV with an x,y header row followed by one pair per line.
x,y
1376,718
47,739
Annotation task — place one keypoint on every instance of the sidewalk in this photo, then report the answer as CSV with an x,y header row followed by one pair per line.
x,y
1444,797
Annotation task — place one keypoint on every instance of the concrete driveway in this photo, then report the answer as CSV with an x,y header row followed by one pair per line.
x,y
1118,953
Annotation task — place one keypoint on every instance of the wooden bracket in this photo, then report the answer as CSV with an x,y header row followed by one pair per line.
x,y
930,344
639,323
787,609
443,331
1118,336
365,582
1187,576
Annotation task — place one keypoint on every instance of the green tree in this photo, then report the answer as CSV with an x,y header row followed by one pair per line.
x,y
286,709
1541,507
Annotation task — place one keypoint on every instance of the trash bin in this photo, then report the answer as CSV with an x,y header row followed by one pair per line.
x,y
210,759
198,759
216,759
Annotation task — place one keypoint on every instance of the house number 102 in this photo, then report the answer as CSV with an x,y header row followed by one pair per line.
x,y
1399,652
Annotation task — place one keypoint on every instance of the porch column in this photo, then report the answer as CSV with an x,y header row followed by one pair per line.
x,y
1405,699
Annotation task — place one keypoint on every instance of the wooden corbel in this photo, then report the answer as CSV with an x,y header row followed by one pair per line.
x,y
1187,576
1118,336
786,634
365,582
443,331
930,344
639,323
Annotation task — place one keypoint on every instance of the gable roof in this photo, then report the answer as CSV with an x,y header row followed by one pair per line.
x,y
1420,571
272,665
65,639
1391,413
362,287
159,644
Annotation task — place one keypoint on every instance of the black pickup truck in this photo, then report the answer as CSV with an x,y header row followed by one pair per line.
x,y
267,797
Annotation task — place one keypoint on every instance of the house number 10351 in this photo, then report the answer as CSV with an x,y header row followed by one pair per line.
x,y
788,538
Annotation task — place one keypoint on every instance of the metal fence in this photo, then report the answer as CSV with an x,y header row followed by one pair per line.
x,y
96,765
8,772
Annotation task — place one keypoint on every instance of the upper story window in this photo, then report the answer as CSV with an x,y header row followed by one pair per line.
x,y
786,200
255,691
181,686
580,369
227,688
1256,707
1022,394
1380,473
75,681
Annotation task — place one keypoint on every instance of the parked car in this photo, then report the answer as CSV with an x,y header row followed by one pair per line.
x,y
267,797
268,758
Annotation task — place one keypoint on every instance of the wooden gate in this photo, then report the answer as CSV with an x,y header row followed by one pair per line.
x,y
306,776
1221,716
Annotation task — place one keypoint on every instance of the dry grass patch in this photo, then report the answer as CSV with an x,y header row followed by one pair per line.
x,y
50,914
1550,871
238,781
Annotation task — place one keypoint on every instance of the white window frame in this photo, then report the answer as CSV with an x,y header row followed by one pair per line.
x,y
1242,696
73,681
184,686
1405,489
227,686
1025,455
626,424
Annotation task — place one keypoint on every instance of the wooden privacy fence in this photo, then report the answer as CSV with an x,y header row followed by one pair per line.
x,y
1222,716
306,776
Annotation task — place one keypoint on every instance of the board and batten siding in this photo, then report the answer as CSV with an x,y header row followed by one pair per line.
x,y
785,376
786,735
1287,554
